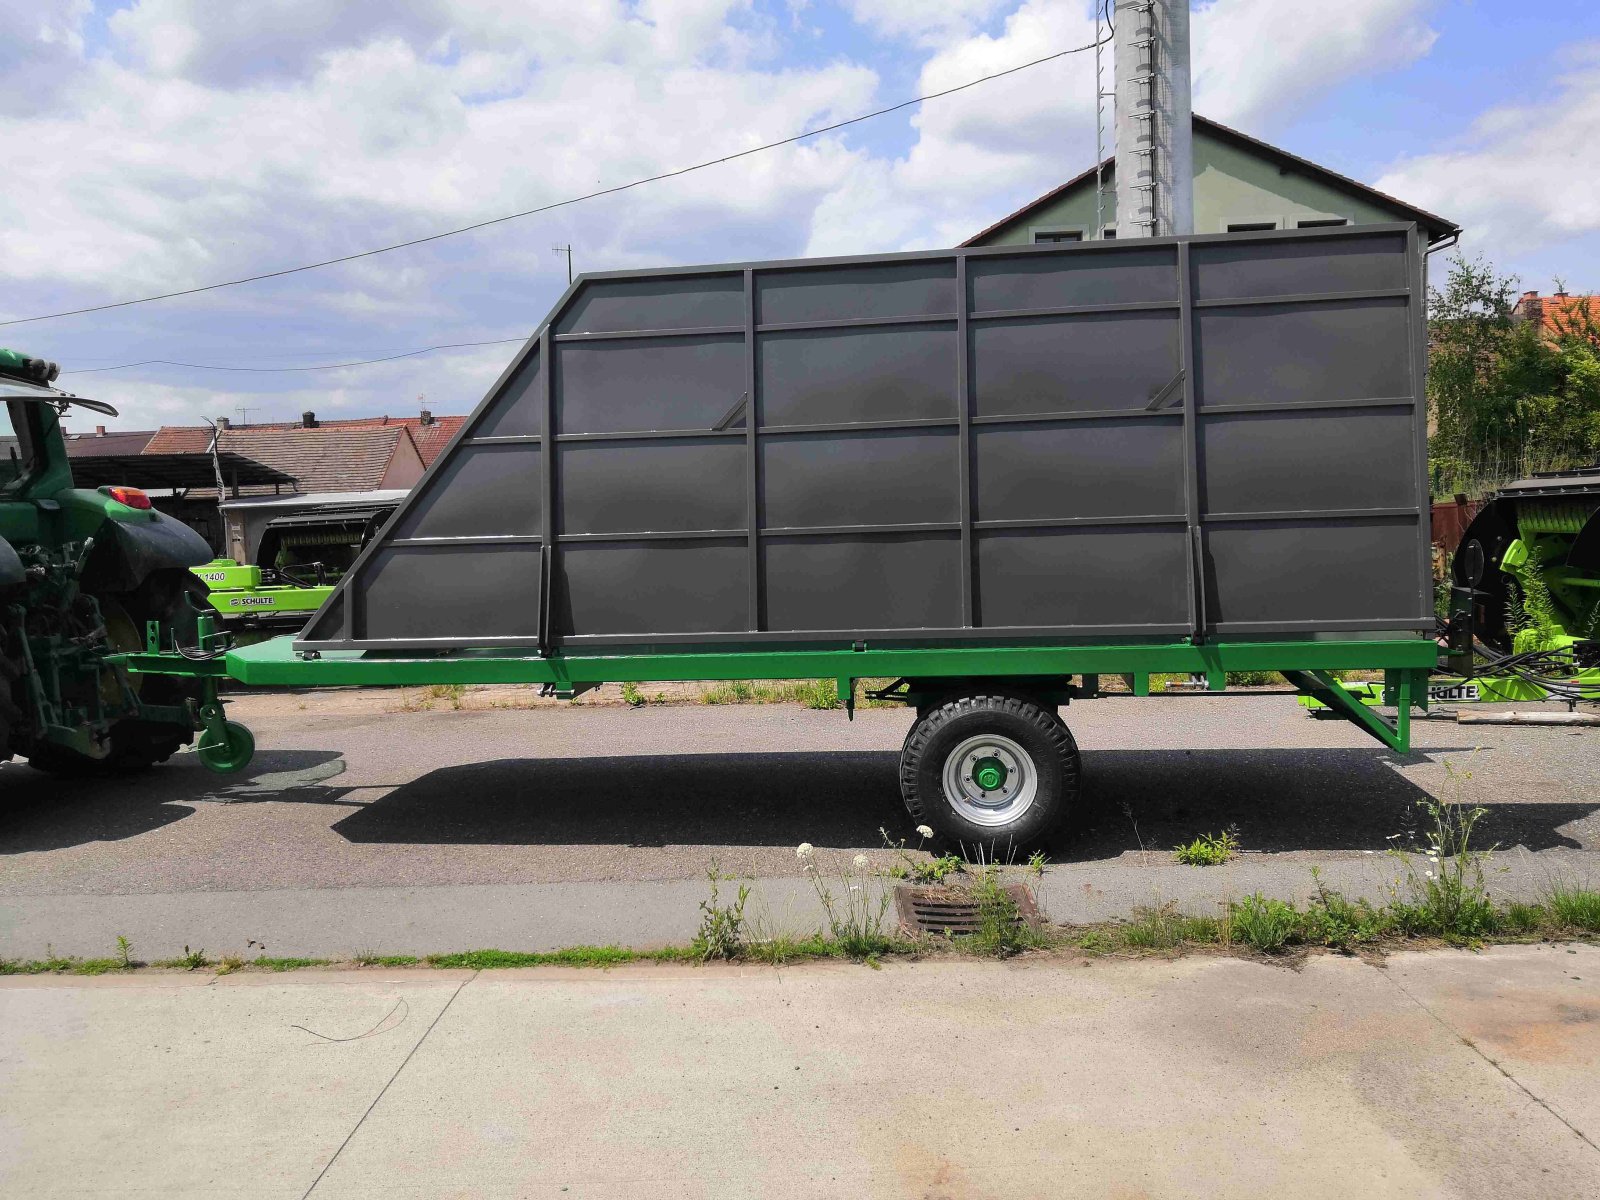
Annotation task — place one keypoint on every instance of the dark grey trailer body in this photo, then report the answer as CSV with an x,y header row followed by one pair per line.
x,y
1218,437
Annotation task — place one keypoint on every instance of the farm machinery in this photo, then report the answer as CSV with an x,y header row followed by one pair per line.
x,y
86,576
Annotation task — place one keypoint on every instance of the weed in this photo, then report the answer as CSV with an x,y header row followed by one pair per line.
x,y
1037,863
1253,678
632,696
721,925
855,916
125,953
368,959
573,956
262,963
446,691
1523,918
1163,927
1576,908
1267,925
1001,930
1446,897
1208,851
1337,922
228,964
189,960
918,870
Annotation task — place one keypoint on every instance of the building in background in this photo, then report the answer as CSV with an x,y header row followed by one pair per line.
x,y
330,462
1559,314
1240,184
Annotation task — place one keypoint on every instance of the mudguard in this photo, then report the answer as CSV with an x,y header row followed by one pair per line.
x,y
11,570
126,553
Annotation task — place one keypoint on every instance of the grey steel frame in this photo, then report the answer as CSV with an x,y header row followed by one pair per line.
x,y
336,625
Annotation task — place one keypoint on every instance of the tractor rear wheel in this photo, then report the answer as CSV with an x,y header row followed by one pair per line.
x,y
137,744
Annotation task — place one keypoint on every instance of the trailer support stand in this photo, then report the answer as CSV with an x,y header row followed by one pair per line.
x,y
1321,685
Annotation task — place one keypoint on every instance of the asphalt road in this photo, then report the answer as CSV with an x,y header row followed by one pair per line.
x,y
351,791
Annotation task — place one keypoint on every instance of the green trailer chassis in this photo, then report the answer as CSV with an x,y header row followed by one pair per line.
x,y
1061,672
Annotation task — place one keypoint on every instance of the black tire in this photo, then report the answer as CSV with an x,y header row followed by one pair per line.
x,y
137,745
1018,726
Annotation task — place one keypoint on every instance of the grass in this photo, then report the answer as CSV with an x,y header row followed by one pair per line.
x,y
1208,851
1257,923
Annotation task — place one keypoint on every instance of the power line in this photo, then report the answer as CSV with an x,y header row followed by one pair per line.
x,y
167,362
544,208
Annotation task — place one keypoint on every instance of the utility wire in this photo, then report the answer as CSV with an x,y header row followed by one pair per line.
x,y
544,208
167,362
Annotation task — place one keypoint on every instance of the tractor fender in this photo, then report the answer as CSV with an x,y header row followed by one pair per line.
x,y
126,552
11,569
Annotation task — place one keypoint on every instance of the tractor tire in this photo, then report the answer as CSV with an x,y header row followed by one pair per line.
x,y
138,744
997,771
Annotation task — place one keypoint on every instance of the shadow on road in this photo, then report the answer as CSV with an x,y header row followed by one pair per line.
x,y
1280,800
49,812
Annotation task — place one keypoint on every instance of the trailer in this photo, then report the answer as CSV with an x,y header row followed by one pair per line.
x,y
998,476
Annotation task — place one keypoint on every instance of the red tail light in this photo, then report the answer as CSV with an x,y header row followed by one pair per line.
x,y
132,497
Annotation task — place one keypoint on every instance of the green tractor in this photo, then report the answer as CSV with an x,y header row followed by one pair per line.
x,y
86,575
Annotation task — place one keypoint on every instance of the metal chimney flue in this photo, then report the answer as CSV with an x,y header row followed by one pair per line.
x,y
1155,139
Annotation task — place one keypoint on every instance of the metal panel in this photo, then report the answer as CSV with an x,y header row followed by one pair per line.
x,y
1151,438
656,383
518,411
1073,363
920,288
880,477
862,581
836,376
652,587
445,591
1103,468
1297,461
676,484
482,491
653,301
1305,574
1303,353
1123,275
1110,577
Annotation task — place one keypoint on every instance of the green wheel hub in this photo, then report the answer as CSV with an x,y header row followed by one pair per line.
x,y
989,773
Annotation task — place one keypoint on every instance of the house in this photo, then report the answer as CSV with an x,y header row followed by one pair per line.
x,y
1240,184
429,433
1558,314
327,460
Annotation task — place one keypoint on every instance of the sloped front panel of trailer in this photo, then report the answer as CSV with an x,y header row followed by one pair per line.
x,y
1156,438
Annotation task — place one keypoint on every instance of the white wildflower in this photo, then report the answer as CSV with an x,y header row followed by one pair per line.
x,y
861,862
924,831
804,850
1428,874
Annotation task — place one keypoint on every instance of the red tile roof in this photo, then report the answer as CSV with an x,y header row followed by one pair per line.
x,y
331,457
429,439
1559,314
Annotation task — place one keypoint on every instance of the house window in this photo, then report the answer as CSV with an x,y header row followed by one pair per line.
x,y
1044,236
1252,226
1323,223
1110,232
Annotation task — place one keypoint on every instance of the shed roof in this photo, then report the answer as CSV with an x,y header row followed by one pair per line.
x,y
1435,227
117,442
176,471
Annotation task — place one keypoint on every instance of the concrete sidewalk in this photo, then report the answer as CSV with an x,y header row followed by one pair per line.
x,y
1442,1074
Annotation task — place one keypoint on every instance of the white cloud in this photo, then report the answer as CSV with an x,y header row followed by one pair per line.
x,y
191,141
1525,175
924,20
1258,63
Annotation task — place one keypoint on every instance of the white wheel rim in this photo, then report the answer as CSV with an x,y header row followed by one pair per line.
x,y
990,780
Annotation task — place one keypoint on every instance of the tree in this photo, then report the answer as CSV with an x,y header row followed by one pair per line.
x,y
1505,396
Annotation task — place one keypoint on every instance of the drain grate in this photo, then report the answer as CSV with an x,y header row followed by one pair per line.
x,y
954,911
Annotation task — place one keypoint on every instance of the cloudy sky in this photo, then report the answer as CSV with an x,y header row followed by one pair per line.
x,y
155,145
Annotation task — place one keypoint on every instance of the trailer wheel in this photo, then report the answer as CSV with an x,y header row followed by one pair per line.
x,y
999,771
